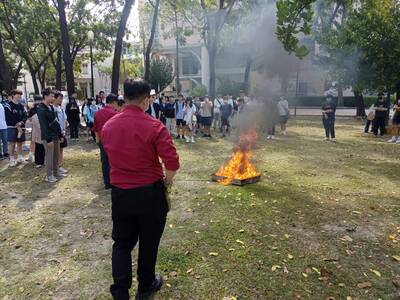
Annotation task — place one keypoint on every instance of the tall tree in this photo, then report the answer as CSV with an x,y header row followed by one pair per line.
x,y
118,45
5,74
69,67
151,40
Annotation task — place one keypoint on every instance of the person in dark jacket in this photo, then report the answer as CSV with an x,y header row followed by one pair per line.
x,y
73,118
51,134
328,118
16,117
381,109
154,108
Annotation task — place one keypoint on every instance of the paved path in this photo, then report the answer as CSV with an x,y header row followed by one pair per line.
x,y
316,111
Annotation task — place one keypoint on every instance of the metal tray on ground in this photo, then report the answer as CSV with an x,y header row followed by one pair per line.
x,y
238,182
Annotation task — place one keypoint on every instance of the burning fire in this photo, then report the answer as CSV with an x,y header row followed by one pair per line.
x,y
239,166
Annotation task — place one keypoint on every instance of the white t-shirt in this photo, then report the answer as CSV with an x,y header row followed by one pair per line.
x,y
3,123
217,105
283,107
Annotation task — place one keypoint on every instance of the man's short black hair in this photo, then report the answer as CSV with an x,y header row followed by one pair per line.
x,y
37,98
180,95
136,89
46,92
16,92
101,92
111,98
58,94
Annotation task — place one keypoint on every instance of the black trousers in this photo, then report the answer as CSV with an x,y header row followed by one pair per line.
x,y
379,124
137,215
105,166
329,125
74,130
39,154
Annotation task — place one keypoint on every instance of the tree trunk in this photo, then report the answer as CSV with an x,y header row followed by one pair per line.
x,y
34,82
178,81
360,104
69,68
212,53
59,70
16,74
398,91
5,74
340,96
150,43
246,84
118,46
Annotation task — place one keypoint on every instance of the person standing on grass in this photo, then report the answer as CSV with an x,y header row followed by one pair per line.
x,y
381,109
134,143
62,120
180,113
73,118
226,112
328,118
88,114
370,119
396,123
15,117
100,118
154,107
283,108
217,113
51,134
189,118
3,134
169,113
206,117
39,152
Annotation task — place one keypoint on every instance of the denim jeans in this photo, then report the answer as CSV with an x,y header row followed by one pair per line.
x,y
3,138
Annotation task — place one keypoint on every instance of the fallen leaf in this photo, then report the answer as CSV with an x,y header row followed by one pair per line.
x,y
213,254
377,273
189,271
349,298
285,270
286,236
240,242
364,285
305,275
316,270
168,285
347,238
275,267
173,274
290,256
241,230
396,257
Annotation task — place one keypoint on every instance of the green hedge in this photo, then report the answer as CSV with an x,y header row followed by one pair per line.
x,y
318,100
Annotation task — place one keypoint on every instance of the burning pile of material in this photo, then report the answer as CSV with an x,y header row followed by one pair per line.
x,y
239,170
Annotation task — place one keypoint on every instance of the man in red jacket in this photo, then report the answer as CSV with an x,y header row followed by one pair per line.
x,y
134,143
100,119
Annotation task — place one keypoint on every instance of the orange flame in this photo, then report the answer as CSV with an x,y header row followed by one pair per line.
x,y
239,166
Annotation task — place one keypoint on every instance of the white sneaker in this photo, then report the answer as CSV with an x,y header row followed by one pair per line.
x,y
61,175
187,139
50,179
192,140
392,140
333,140
29,159
398,140
20,159
12,163
38,166
326,139
62,170
269,137
273,137
284,133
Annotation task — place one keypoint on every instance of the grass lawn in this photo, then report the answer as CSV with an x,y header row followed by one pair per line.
x,y
324,223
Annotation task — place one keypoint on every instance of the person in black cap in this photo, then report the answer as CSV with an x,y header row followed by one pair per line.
x,y
328,118
381,108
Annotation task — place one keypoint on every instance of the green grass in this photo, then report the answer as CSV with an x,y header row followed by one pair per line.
x,y
320,207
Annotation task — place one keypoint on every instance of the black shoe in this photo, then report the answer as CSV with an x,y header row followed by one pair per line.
x,y
209,136
204,135
178,137
2,157
155,287
107,187
6,155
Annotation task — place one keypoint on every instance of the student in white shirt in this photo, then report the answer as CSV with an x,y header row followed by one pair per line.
x,y
3,134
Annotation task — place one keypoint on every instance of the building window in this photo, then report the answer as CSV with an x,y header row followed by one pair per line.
x,y
190,65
